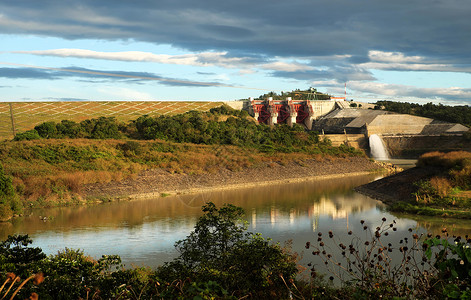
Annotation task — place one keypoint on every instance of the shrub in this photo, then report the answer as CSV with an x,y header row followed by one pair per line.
x,y
9,200
27,136
220,250
47,130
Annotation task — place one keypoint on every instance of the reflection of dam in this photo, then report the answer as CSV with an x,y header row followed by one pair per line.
x,y
337,207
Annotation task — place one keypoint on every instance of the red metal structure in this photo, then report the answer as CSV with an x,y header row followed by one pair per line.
x,y
265,109
260,108
281,108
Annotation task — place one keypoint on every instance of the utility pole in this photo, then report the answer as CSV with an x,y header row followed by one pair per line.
x,y
12,120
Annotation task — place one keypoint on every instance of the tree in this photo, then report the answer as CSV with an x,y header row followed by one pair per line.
x,y
47,130
220,250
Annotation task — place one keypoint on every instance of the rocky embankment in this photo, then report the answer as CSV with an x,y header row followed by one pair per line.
x,y
158,182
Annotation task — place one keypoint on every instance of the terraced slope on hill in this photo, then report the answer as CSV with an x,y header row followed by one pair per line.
x,y
22,116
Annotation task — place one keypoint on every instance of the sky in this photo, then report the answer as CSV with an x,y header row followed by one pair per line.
x,y
402,50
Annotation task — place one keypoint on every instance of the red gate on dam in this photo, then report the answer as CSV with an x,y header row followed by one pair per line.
x,y
287,111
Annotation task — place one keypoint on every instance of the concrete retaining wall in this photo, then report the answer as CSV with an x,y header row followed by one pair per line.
x,y
413,146
357,141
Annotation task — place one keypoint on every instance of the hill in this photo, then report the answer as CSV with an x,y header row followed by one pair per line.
x,y
22,116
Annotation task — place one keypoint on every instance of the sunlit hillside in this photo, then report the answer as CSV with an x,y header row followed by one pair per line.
x,y
22,116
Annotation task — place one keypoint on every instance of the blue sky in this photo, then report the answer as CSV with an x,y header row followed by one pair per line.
x,y
415,51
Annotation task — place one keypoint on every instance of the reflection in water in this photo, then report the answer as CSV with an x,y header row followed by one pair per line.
x,y
144,232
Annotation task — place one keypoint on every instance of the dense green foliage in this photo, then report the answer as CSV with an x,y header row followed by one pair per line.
x,y
9,200
101,128
220,250
198,128
454,114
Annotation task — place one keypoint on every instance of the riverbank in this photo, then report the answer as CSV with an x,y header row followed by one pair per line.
x,y
438,186
159,182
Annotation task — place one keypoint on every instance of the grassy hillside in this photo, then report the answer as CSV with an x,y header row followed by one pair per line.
x,y
26,115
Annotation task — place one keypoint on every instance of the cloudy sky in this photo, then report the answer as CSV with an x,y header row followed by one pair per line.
x,y
405,50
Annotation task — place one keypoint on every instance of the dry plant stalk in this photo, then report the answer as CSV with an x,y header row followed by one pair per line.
x,y
37,279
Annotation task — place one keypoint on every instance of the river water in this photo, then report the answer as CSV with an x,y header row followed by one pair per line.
x,y
143,232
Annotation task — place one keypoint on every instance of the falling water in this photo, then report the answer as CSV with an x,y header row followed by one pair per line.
x,y
377,148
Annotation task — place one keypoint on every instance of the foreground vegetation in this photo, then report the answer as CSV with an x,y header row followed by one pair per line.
x,y
221,260
448,191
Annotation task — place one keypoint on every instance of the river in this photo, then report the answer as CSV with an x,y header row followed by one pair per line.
x,y
143,232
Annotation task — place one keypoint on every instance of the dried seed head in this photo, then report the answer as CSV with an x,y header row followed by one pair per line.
x,y
33,296
11,276
38,278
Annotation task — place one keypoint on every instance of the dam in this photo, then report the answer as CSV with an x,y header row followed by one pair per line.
x,y
353,123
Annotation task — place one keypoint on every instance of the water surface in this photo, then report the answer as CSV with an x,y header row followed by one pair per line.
x,y
143,232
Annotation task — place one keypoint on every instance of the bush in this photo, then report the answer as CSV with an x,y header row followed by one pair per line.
x,y
9,201
27,136
47,130
220,250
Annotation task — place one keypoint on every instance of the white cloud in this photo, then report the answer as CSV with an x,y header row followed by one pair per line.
x,y
406,91
203,59
380,60
393,57
134,56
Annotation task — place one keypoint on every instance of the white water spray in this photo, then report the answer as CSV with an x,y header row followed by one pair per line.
x,y
377,148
